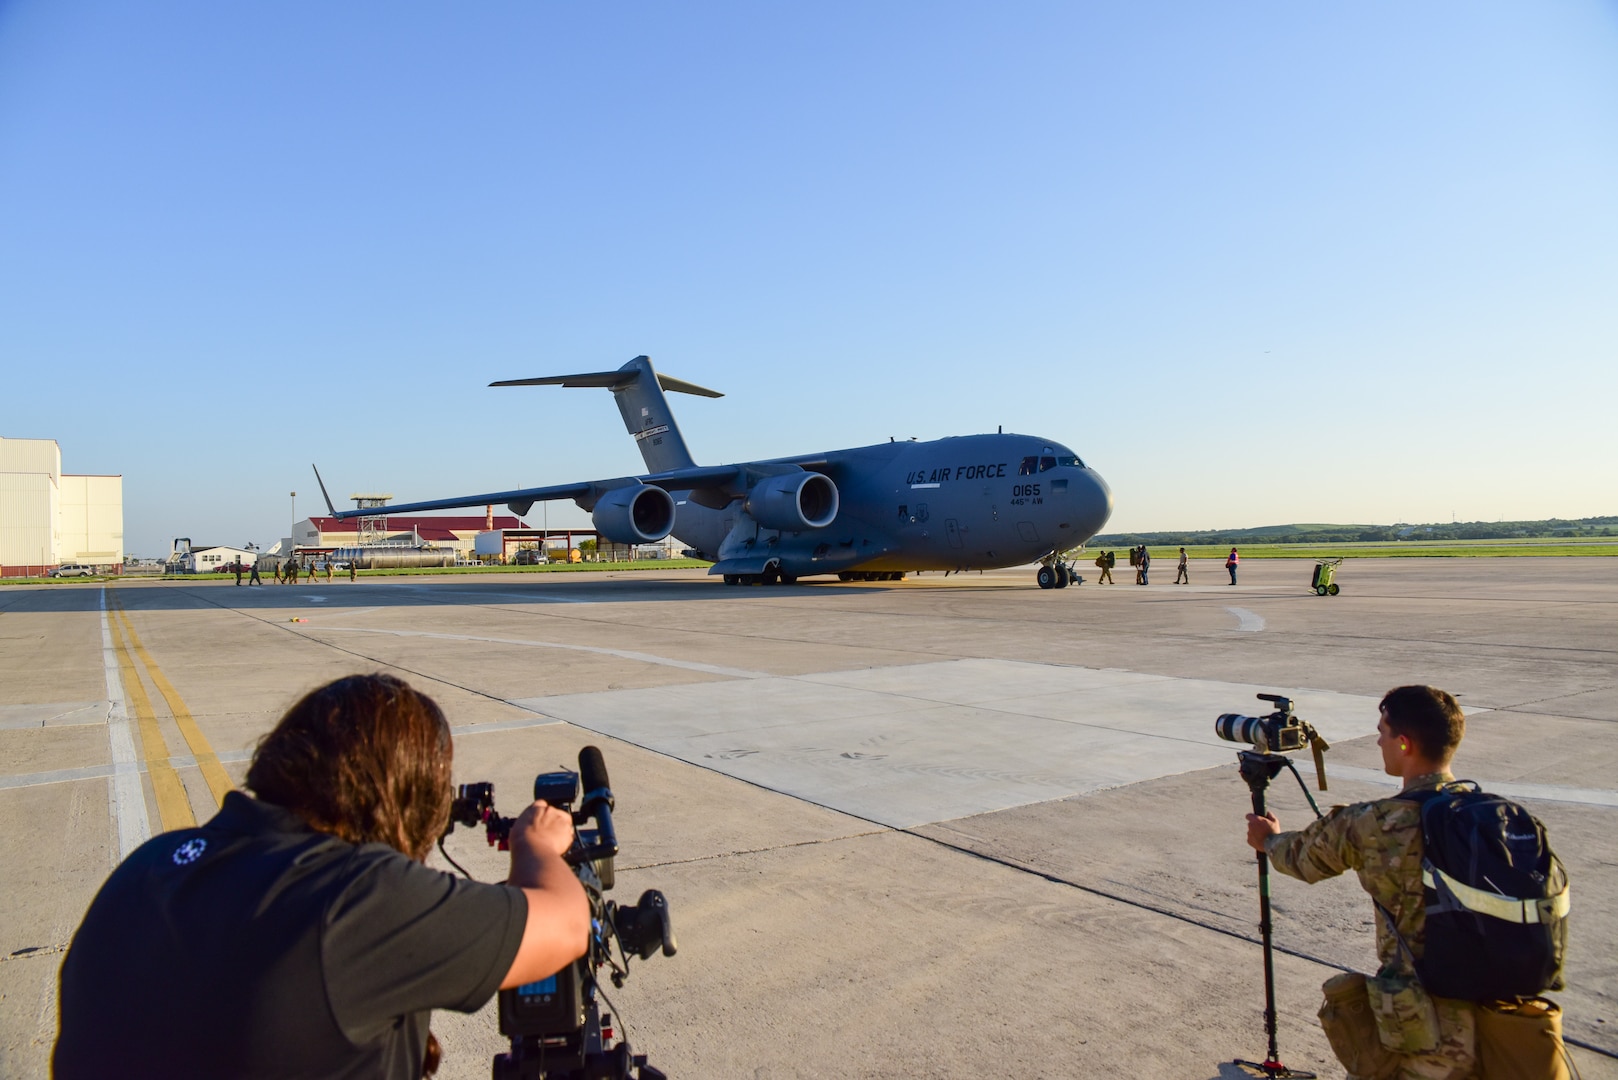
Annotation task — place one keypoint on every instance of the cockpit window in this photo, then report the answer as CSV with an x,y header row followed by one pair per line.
x,y
1029,466
1070,460
1047,463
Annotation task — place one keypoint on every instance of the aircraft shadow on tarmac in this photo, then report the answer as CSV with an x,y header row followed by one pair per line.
x,y
396,592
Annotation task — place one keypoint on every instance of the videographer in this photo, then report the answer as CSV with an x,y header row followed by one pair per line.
x,y
1418,731
298,932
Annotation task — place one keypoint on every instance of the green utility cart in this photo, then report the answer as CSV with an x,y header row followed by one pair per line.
x,y
1325,571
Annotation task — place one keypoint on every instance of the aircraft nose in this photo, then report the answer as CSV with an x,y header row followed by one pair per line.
x,y
1092,502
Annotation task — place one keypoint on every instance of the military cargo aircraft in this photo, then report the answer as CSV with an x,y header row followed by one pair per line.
x,y
872,513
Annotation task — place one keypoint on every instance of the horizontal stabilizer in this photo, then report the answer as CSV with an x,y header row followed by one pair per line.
x,y
683,387
637,389
611,380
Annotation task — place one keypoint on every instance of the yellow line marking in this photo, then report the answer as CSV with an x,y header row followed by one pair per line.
x,y
208,761
173,805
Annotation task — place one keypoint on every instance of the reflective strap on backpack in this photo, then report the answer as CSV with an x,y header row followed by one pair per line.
x,y
1493,904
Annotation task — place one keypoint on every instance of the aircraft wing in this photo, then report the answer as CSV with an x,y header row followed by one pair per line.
x,y
520,500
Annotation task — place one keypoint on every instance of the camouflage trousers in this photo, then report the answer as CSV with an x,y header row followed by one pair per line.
x,y
1350,1024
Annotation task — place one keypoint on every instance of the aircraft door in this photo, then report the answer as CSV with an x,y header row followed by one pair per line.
x,y
952,532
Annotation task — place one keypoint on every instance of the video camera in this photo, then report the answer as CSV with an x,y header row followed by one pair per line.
x,y
556,1028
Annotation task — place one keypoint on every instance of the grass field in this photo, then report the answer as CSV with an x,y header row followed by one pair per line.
x,y
1401,549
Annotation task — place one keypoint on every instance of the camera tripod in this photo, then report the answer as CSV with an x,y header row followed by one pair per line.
x,y
1258,769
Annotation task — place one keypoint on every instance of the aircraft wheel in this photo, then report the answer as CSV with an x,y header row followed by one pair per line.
x,y
789,579
1320,590
1046,578
733,579
771,575
845,576
1333,589
1062,579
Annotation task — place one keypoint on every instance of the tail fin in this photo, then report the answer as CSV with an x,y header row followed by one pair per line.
x,y
638,389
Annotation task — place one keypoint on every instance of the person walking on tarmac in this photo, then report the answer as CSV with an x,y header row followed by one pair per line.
x,y
1182,578
254,579
1231,562
1145,565
1105,561
238,573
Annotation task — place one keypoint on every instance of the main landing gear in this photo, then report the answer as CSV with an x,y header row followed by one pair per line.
x,y
1056,574
772,575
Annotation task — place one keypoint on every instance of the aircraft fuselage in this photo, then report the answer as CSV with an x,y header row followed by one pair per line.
x,y
960,503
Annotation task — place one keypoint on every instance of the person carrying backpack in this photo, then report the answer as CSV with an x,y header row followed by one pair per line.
x,y
1471,909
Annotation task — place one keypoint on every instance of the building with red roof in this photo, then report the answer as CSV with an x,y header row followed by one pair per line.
x,y
408,530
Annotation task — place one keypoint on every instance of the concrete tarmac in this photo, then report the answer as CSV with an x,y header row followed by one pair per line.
x,y
950,827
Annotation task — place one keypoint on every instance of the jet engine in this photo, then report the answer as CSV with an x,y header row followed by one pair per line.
x,y
793,502
634,514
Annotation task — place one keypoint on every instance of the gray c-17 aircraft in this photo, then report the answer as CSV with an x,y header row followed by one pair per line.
x,y
872,513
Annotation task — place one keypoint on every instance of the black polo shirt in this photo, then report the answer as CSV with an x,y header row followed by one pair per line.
x,y
253,946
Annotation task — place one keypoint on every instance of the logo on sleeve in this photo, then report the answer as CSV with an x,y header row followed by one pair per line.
x,y
190,851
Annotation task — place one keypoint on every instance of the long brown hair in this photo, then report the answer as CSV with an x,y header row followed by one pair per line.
x,y
366,758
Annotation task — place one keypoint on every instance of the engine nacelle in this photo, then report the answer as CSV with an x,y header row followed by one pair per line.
x,y
636,514
794,501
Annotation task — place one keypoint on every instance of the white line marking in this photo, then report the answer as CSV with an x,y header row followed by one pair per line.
x,y
55,776
1246,620
531,598
622,654
126,800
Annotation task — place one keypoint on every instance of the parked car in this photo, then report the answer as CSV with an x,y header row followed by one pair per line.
x,y
74,570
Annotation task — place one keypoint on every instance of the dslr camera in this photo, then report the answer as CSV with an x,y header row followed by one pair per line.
x,y
556,1026
1276,733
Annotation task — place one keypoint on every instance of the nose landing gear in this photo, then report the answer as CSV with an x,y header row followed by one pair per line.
x,y
1055,573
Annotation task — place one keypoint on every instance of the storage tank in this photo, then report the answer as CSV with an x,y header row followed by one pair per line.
x,y
395,558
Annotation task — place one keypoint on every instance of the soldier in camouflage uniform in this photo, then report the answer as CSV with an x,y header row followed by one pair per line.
x,y
1421,1038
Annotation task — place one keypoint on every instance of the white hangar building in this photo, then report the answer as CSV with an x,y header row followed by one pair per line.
x,y
48,518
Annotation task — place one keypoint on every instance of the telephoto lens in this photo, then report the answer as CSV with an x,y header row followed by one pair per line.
x,y
1234,727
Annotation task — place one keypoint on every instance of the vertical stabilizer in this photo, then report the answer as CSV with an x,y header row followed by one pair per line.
x,y
638,389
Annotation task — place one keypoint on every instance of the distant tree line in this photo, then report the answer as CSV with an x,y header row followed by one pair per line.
x,y
1338,534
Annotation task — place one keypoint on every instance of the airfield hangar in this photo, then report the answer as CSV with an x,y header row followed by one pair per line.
x,y
49,518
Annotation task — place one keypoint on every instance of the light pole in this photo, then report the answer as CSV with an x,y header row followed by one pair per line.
x,y
293,528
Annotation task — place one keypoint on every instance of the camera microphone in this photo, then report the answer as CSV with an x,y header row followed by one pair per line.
x,y
593,776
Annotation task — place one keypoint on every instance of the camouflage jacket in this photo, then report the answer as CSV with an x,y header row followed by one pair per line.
x,y
1380,841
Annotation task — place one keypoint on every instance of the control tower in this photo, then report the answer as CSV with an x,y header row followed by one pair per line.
x,y
373,528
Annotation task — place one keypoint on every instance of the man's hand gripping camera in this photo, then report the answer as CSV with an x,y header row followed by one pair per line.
x,y
556,1028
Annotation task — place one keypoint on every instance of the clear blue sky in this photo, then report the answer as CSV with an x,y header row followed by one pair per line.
x,y
1258,263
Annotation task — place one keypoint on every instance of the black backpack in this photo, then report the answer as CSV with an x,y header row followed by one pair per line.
x,y
1496,896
